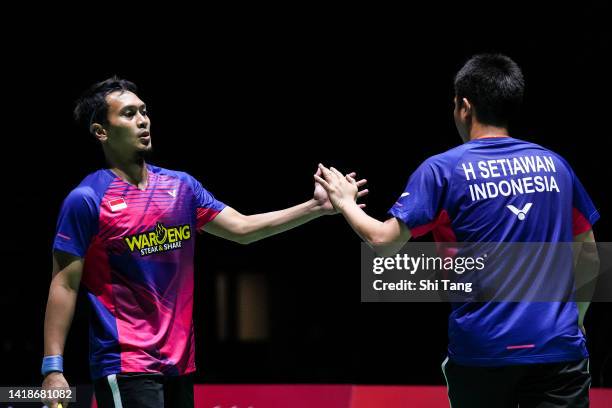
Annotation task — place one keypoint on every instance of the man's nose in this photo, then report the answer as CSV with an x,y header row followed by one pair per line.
x,y
143,120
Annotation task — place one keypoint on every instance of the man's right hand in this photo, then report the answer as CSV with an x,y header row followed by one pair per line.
x,y
55,380
340,189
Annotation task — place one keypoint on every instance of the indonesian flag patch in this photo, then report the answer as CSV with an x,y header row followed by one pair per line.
x,y
117,204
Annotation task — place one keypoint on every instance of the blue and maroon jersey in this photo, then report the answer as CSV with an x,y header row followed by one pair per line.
x,y
503,190
138,250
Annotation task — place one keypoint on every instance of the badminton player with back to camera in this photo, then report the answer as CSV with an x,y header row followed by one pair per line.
x,y
126,233
500,354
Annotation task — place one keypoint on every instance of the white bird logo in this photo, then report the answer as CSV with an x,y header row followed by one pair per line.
x,y
521,214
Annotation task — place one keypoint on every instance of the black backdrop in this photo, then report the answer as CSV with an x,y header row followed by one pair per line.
x,y
249,107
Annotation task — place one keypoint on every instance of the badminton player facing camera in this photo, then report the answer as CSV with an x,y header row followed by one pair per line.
x,y
500,354
126,233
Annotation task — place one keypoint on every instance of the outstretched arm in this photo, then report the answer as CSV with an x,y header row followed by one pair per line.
x,y
387,237
244,229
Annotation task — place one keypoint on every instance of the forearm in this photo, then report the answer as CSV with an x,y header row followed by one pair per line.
x,y
259,226
58,317
368,228
386,238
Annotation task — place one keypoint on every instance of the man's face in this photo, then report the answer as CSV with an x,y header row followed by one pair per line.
x,y
461,119
128,127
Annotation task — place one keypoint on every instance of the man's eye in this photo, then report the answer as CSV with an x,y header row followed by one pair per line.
x,y
129,113
144,113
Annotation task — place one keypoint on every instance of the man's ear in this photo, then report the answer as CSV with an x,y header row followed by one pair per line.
x,y
466,106
99,132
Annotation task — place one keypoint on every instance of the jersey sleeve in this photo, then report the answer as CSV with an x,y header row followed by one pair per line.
x,y
77,222
421,202
207,206
584,213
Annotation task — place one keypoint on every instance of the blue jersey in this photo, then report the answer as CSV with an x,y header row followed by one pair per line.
x,y
502,190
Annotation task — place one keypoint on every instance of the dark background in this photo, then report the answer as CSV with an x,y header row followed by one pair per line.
x,y
249,106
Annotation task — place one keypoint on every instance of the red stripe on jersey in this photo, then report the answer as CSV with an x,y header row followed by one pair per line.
x,y
579,223
441,227
204,216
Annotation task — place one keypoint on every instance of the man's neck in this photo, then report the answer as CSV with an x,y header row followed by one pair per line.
x,y
133,171
479,131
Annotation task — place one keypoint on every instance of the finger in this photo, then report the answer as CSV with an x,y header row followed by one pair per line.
x,y
336,172
362,182
362,206
333,174
325,171
321,181
362,193
318,173
352,174
350,179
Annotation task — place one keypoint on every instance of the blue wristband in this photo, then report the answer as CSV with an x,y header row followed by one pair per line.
x,y
52,363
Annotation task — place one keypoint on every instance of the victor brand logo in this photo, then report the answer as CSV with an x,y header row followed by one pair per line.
x,y
521,214
159,239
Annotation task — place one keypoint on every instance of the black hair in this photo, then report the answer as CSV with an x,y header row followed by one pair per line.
x,y
91,107
494,85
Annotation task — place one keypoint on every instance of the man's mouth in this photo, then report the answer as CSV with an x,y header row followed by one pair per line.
x,y
145,138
